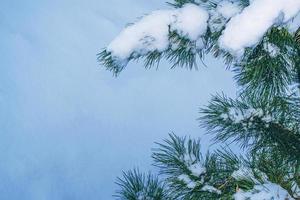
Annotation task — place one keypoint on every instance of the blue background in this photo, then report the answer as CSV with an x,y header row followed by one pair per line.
x,y
67,126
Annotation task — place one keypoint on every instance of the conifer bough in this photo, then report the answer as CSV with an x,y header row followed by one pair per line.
x,y
260,41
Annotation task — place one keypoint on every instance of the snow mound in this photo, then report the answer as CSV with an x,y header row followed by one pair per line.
x,y
247,28
151,33
228,9
211,189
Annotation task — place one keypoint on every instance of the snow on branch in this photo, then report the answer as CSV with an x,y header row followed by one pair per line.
x,y
246,116
228,25
247,28
261,190
265,191
151,33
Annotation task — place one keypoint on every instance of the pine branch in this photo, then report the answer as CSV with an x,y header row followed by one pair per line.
x,y
268,70
221,175
182,52
180,3
190,175
297,35
138,186
187,174
297,38
255,124
205,3
278,169
265,119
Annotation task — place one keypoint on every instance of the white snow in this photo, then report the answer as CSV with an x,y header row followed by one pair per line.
x,y
195,166
245,116
272,49
267,118
211,189
247,28
236,115
228,9
224,116
151,33
197,169
191,185
186,179
294,24
191,21
267,191
246,173
293,89
243,173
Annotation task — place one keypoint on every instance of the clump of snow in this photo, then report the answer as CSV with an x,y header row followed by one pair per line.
x,y
193,164
247,28
151,33
185,178
245,116
236,115
272,49
197,169
267,191
228,9
192,184
243,173
190,21
211,189
267,118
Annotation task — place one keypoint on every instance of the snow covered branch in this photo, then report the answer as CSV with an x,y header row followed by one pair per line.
x,y
255,124
229,25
